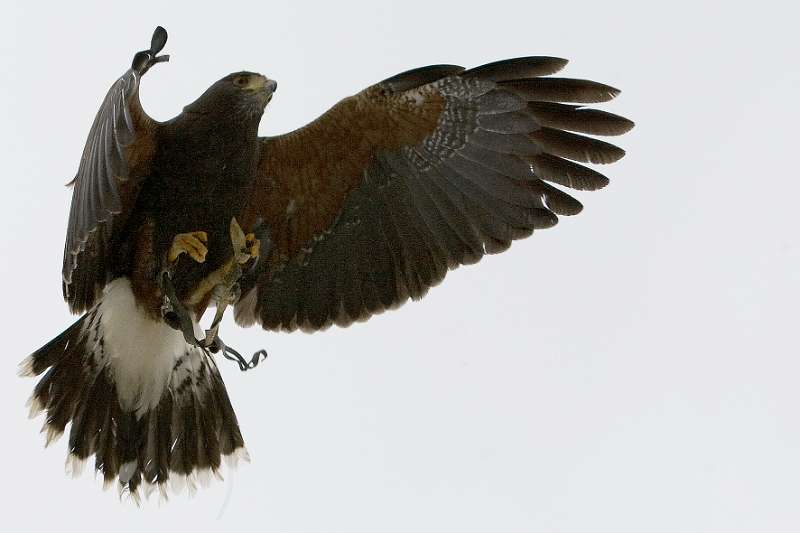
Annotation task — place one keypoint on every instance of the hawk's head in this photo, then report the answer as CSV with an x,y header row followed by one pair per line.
x,y
238,95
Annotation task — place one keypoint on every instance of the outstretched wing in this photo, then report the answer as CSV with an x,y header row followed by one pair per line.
x,y
115,160
373,203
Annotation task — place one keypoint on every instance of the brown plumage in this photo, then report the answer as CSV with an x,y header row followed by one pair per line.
x,y
373,202
367,206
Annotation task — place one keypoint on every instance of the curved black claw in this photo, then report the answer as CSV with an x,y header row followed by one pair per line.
x,y
233,355
145,59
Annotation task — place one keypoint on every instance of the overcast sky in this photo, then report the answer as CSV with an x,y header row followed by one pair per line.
x,y
633,369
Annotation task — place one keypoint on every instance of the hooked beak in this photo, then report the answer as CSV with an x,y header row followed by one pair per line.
x,y
263,87
261,83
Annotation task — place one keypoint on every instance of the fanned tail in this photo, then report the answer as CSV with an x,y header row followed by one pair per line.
x,y
146,405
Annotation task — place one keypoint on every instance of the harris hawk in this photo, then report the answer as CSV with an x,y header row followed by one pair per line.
x,y
361,210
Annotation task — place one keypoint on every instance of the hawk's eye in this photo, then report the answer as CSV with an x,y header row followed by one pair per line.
x,y
240,81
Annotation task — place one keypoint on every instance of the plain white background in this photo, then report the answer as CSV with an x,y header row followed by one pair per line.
x,y
633,369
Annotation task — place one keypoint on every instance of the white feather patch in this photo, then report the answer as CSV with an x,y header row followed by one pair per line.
x,y
141,351
239,454
74,466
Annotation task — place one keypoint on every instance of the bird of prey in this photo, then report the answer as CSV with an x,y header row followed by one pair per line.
x,y
366,207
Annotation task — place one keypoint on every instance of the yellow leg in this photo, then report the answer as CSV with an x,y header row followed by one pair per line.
x,y
193,243
245,248
208,283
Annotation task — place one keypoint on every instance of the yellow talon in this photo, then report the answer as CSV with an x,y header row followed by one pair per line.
x,y
193,243
245,247
253,245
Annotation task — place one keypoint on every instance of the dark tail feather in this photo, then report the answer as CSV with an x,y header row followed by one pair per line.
x,y
182,439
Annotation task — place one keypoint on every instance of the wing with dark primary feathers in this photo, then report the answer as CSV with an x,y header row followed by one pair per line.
x,y
373,203
115,160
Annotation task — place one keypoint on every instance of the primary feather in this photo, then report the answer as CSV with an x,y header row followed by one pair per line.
x,y
366,207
